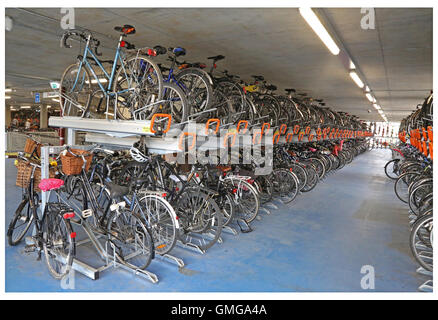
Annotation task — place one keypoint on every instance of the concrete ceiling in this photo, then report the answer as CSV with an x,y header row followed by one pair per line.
x,y
395,58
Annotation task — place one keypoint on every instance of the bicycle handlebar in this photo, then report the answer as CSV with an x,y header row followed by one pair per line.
x,y
22,157
82,36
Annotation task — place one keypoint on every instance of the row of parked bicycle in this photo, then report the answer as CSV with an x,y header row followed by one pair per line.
x,y
144,205
411,169
135,87
413,176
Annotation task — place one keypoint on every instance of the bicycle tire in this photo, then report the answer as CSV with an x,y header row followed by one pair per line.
x,y
55,222
424,220
85,88
150,92
121,227
161,219
13,241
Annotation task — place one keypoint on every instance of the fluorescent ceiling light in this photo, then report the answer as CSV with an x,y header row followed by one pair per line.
x,y
8,90
319,29
7,97
380,111
25,107
370,97
356,79
49,106
56,100
376,106
95,81
352,65
367,89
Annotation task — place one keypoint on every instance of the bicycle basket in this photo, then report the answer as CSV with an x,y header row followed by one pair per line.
x,y
24,173
73,165
31,145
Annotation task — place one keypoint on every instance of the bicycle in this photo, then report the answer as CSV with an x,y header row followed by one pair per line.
x,y
135,81
123,228
53,233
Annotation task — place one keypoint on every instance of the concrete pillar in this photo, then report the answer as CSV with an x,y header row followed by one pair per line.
x,y
8,116
43,117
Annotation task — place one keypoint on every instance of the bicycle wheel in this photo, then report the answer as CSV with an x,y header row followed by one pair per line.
x,y
58,240
245,198
197,89
139,85
200,218
161,220
417,195
423,254
75,91
226,203
235,100
391,169
401,185
174,103
285,184
312,178
301,174
130,238
266,189
319,166
20,223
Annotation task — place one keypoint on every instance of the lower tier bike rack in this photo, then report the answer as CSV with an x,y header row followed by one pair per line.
x,y
92,237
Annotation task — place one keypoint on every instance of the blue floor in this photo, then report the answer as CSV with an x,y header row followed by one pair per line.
x,y
317,243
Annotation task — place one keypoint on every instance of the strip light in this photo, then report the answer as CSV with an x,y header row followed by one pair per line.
x,y
25,107
94,81
370,97
376,106
8,90
7,97
356,79
319,29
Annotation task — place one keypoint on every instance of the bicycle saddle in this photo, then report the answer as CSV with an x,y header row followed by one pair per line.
x,y
271,87
217,58
160,50
126,29
289,90
258,78
178,51
116,191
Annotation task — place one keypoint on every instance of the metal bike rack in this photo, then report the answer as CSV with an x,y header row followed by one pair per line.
x,y
125,133
111,260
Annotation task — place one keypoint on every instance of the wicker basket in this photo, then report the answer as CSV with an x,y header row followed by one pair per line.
x,y
73,165
31,145
24,173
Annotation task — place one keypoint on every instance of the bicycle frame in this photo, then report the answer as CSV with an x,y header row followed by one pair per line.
x,y
171,78
109,77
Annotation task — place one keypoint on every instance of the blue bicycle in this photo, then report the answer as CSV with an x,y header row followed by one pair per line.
x,y
191,79
131,89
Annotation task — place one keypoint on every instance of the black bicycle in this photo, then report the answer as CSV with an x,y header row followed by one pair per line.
x,y
53,232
